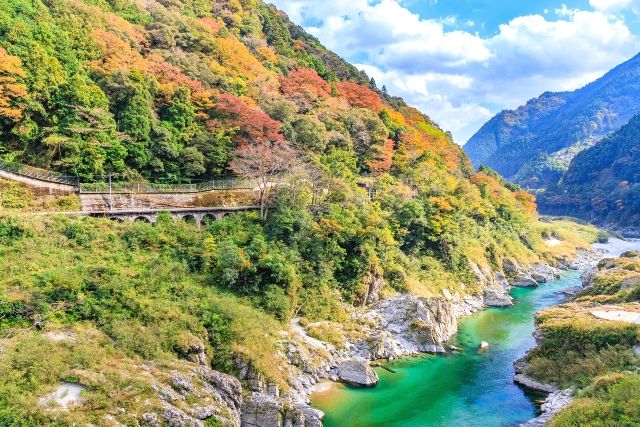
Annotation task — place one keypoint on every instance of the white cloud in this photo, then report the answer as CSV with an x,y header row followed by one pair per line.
x,y
612,4
460,78
565,11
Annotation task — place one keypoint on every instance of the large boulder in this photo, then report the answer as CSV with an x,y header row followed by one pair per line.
x,y
543,273
510,267
497,293
405,325
523,281
357,372
262,410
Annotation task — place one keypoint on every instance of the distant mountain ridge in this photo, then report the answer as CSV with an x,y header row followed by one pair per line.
x,y
534,144
602,184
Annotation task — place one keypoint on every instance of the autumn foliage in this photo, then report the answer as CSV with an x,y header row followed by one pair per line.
x,y
383,158
527,201
303,81
12,92
253,124
359,96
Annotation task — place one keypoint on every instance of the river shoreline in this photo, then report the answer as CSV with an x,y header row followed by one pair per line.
x,y
584,260
558,399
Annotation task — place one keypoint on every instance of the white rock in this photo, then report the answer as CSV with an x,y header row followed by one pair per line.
x,y
357,372
66,395
532,384
551,406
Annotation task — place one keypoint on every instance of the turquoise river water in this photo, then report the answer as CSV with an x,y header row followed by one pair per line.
x,y
468,388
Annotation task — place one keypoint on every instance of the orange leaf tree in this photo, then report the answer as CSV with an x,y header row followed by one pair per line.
x,y
253,124
12,92
359,96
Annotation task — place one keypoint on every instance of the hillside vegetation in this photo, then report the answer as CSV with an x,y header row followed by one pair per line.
x,y
598,357
602,183
535,143
369,191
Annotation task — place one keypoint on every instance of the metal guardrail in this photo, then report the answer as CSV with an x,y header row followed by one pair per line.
x,y
225,183
142,188
40,174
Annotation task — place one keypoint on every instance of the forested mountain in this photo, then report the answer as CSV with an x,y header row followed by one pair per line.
x,y
534,144
169,88
602,183
371,199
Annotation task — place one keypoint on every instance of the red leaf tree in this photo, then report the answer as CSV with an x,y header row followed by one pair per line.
x,y
359,96
304,80
382,158
253,124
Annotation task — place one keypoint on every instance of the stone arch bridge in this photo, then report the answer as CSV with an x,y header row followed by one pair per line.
x,y
197,204
197,216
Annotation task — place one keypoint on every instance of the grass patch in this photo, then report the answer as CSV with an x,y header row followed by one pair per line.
x,y
17,197
611,401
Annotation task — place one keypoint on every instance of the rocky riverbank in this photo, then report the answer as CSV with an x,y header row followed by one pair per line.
x,y
557,399
398,326
402,325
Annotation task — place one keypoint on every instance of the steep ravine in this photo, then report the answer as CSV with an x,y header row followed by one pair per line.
x,y
402,325
398,326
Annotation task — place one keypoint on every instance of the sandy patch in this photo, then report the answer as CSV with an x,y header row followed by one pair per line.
x,y
323,386
617,315
616,247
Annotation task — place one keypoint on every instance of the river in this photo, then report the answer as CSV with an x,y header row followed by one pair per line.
x,y
467,388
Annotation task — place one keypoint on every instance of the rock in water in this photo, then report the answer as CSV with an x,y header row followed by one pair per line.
x,y
357,372
523,281
532,384
543,273
483,345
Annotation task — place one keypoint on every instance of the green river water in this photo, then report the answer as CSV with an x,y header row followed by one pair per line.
x,y
468,388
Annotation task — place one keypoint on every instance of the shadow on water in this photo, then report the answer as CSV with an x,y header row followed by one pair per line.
x,y
467,388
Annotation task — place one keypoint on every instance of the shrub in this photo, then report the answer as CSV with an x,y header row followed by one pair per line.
x,y
11,230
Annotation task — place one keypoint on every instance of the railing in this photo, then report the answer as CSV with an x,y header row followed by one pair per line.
x,y
127,187
223,183
40,174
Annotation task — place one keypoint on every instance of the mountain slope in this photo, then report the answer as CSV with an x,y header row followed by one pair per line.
x,y
535,142
603,182
372,200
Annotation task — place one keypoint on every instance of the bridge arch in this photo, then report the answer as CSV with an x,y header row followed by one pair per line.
x,y
189,219
208,219
143,218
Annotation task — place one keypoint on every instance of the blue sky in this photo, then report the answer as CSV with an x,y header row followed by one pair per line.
x,y
462,61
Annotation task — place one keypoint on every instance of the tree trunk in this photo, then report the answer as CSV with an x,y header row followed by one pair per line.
x,y
262,205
